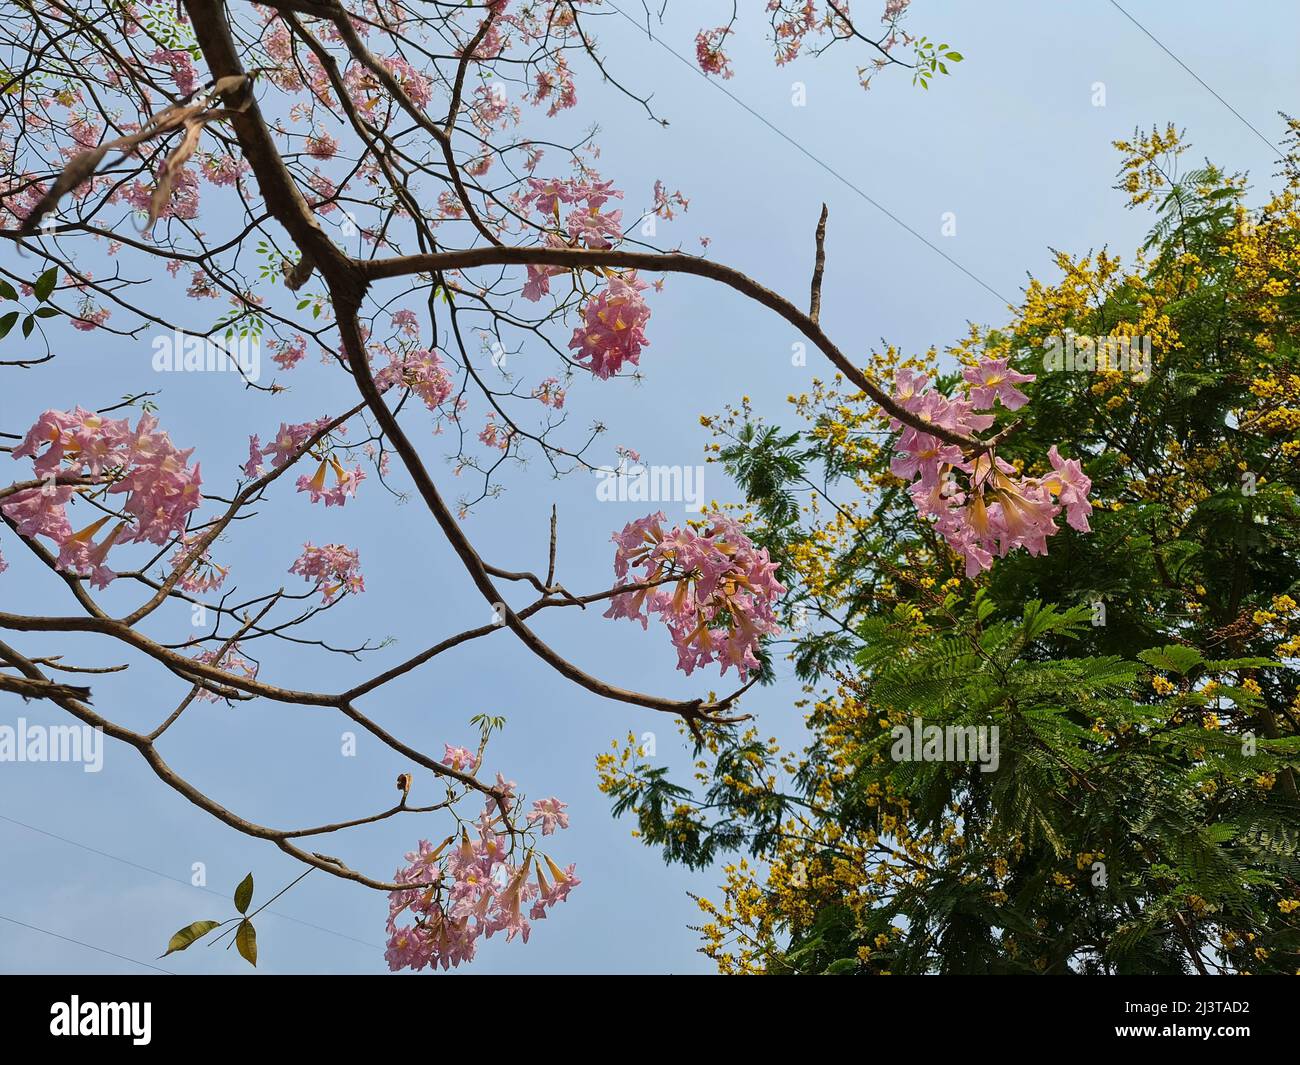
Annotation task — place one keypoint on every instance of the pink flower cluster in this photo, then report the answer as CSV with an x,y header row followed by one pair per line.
x,y
203,575
364,88
492,109
229,662
586,225
549,393
557,86
287,355
495,435
183,203
665,201
288,443
538,283
463,891
709,54
995,510
321,145
547,194
224,169
550,814
416,85
461,759
160,486
343,489
800,26
422,371
289,439
408,322
334,568
181,65
724,595
91,318
613,326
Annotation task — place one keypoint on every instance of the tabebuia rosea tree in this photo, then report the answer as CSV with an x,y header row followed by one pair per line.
x,y
368,189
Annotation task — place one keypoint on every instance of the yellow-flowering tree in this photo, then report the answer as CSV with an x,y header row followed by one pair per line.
x,y
1079,761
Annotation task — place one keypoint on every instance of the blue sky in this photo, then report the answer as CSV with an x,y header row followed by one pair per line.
x,y
1012,144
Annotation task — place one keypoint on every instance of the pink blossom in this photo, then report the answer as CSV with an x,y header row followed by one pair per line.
x,y
462,890
613,329
224,169
160,486
181,64
416,85
322,146
203,575
980,505
449,205
253,467
714,589
40,511
1071,486
289,439
546,194
345,483
664,202
334,568
230,662
592,228
557,86
85,133
407,322
994,380
461,759
421,370
709,54
550,812
549,393
495,435
91,319
287,356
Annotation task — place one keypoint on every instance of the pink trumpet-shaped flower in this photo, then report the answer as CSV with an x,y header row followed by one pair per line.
x,y
550,812
334,568
161,488
468,888
980,505
613,328
995,380
714,589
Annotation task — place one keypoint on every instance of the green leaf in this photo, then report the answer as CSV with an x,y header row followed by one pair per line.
x,y
29,323
246,942
244,894
45,283
188,935
1175,658
953,57
7,290
7,323
48,312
